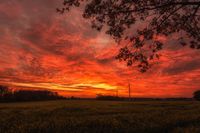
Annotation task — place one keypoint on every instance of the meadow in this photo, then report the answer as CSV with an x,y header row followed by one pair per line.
x,y
90,116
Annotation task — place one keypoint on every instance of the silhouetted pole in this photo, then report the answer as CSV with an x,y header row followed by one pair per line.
x,y
129,91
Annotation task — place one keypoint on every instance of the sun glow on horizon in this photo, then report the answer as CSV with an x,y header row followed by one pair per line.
x,y
64,87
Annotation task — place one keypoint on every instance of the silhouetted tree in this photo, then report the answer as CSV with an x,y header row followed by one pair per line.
x,y
27,95
156,18
3,90
5,93
35,95
196,95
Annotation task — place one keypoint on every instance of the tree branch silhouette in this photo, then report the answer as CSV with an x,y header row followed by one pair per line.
x,y
157,18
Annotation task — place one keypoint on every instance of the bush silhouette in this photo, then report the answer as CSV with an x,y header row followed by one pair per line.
x,y
196,95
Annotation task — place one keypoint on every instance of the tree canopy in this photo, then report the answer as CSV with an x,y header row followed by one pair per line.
x,y
196,95
155,18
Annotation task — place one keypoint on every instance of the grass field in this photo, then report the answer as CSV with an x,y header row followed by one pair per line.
x,y
100,117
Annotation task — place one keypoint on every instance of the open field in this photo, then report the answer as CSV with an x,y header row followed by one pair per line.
x,y
100,117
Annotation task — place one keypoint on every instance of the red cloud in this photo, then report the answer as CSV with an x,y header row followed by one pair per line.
x,y
40,49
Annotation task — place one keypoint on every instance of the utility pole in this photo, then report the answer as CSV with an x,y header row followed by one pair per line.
x,y
117,93
129,91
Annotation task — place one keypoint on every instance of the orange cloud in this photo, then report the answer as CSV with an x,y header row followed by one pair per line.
x,y
40,49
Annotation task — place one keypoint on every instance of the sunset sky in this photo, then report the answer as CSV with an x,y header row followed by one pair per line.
x,y
41,49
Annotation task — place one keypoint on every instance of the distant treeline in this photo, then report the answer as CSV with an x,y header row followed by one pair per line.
x,y
7,95
107,97
116,98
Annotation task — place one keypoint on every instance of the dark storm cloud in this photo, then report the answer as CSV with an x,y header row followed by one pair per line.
x,y
183,66
106,61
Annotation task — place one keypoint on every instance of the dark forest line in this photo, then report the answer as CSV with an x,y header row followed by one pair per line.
x,y
9,95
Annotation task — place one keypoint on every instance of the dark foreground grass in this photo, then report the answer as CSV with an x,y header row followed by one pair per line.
x,y
100,117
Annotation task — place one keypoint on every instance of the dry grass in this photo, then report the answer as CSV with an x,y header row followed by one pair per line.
x,y
100,117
